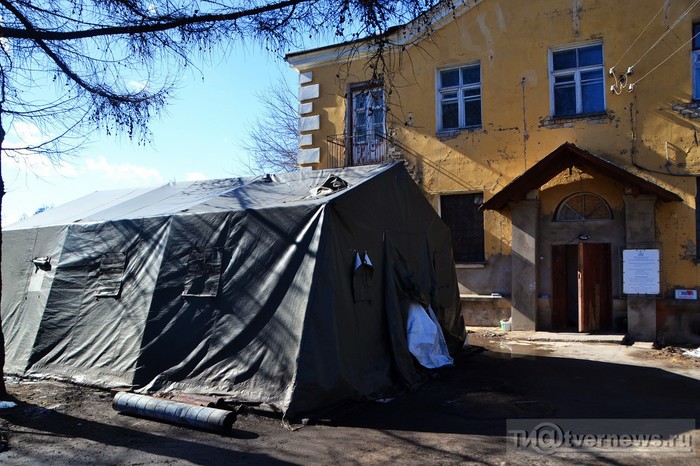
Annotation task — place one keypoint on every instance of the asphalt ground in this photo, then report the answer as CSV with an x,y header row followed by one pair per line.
x,y
500,386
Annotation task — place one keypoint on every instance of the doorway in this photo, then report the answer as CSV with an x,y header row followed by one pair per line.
x,y
581,287
367,129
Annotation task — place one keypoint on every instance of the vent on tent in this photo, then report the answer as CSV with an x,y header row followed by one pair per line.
x,y
332,184
41,263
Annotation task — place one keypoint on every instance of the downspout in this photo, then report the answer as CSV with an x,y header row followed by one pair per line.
x,y
525,134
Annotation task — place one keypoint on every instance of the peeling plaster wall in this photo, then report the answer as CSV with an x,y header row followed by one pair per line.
x,y
678,322
651,132
494,277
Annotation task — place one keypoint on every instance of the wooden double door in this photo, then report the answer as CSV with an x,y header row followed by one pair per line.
x,y
581,287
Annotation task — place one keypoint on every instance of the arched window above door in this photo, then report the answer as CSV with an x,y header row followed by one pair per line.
x,y
581,207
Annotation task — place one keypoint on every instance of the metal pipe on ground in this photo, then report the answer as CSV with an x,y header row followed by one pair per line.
x,y
199,400
200,417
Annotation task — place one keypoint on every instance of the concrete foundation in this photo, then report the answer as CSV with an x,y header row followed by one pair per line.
x,y
485,311
678,322
641,318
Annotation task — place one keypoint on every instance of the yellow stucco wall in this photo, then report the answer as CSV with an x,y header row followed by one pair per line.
x,y
511,40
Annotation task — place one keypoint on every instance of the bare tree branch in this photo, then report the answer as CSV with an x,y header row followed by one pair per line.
x,y
151,23
273,138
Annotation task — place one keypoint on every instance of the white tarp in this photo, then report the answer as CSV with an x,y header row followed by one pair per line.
x,y
425,339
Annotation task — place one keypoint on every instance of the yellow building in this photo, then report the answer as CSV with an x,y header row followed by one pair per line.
x,y
559,141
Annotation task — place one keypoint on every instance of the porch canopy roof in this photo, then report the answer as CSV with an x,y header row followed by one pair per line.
x,y
567,156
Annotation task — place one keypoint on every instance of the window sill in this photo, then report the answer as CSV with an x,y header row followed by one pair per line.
x,y
479,297
446,134
568,121
470,265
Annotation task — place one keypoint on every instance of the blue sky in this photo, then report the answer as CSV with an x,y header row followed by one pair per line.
x,y
199,136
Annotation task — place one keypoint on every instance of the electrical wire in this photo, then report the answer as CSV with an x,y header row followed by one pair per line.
x,y
667,31
631,86
621,82
640,35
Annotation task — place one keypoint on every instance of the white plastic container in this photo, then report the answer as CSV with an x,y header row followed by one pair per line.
x,y
505,325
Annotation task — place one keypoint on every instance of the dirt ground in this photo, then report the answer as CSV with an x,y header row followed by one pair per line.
x,y
458,417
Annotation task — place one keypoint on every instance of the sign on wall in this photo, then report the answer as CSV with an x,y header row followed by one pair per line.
x,y
641,271
687,294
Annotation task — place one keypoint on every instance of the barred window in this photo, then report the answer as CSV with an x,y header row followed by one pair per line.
x,y
697,215
462,213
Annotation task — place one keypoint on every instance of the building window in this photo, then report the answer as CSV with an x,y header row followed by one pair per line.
x,y
462,213
583,206
696,61
368,126
459,96
577,81
697,218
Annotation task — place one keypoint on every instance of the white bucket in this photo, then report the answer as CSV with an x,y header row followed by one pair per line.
x,y
505,325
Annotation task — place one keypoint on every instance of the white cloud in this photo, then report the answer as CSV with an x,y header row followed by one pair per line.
x,y
24,134
132,175
29,134
195,176
137,86
32,181
38,165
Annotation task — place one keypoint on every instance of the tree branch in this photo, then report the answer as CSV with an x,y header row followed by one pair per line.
x,y
156,24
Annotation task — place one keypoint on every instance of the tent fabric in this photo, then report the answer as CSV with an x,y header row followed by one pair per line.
x,y
245,288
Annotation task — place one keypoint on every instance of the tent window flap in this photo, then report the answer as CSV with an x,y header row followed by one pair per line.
x,y
110,275
203,273
362,277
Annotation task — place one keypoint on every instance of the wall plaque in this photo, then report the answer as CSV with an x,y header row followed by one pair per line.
x,y
641,271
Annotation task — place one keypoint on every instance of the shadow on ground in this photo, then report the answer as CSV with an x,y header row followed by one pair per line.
x,y
457,417
486,388
43,426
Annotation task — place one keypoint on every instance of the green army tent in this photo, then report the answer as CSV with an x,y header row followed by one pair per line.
x,y
290,290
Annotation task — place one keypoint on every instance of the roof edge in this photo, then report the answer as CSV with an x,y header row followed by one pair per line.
x,y
566,156
397,36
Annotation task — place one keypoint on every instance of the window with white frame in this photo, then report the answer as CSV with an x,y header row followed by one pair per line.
x,y
696,61
463,214
577,80
459,97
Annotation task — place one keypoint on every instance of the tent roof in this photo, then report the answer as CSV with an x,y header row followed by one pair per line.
x,y
229,194
567,156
